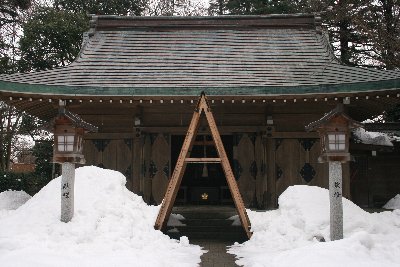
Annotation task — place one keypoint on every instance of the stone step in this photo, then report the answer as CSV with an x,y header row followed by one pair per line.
x,y
210,229
207,215
220,236
207,222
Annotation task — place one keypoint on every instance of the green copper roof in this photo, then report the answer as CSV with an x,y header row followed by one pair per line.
x,y
195,91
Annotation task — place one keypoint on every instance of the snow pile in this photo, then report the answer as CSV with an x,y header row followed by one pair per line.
x,y
175,220
394,203
111,227
372,138
289,236
11,200
235,220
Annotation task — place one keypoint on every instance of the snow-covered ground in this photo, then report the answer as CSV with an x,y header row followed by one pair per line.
x,y
394,203
114,227
111,227
11,200
289,236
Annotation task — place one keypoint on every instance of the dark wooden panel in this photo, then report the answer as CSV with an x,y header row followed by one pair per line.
x,y
261,176
110,155
272,197
124,159
146,183
160,165
90,152
321,178
243,152
137,163
288,164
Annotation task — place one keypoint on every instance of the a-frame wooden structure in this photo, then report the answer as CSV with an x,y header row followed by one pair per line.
x,y
184,158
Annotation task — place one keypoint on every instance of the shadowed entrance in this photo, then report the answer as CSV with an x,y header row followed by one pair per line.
x,y
203,184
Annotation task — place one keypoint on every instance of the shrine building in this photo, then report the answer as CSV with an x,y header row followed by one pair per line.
x,y
138,79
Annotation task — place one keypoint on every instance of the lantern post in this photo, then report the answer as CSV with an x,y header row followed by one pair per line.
x,y
334,131
69,129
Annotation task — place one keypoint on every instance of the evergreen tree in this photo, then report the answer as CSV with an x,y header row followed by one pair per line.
x,y
10,21
51,38
363,32
102,7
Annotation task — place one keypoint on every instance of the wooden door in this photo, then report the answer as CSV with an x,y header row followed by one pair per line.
x,y
297,164
245,167
261,174
114,154
159,166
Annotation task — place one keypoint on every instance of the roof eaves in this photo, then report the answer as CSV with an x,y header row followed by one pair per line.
x,y
361,87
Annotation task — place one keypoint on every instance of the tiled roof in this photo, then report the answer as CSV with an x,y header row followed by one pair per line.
x,y
230,55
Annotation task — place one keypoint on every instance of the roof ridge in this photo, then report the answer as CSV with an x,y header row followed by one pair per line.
x,y
113,22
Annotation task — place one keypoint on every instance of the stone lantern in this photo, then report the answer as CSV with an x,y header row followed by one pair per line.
x,y
68,139
334,131
69,129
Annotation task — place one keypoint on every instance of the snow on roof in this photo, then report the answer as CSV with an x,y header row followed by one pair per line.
x,y
372,138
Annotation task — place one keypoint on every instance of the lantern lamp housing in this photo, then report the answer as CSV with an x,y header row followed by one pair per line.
x,y
334,131
69,130
68,142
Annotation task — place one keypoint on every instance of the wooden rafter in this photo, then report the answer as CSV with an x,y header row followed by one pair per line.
x,y
184,158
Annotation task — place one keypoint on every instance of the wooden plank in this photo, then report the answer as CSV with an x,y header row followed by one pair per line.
x,y
244,154
272,197
203,143
110,155
180,166
136,163
124,160
287,159
233,187
297,134
176,179
182,129
89,152
146,185
90,136
321,169
261,176
285,21
159,163
203,160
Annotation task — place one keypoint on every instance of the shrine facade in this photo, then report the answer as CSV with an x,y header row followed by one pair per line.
x,y
138,80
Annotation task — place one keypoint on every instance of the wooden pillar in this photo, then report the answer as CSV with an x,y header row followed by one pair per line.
x,y
137,162
261,177
272,201
145,181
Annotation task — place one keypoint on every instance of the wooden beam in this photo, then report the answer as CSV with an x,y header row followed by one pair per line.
x,y
89,136
177,130
204,143
183,159
388,127
289,135
183,129
203,160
